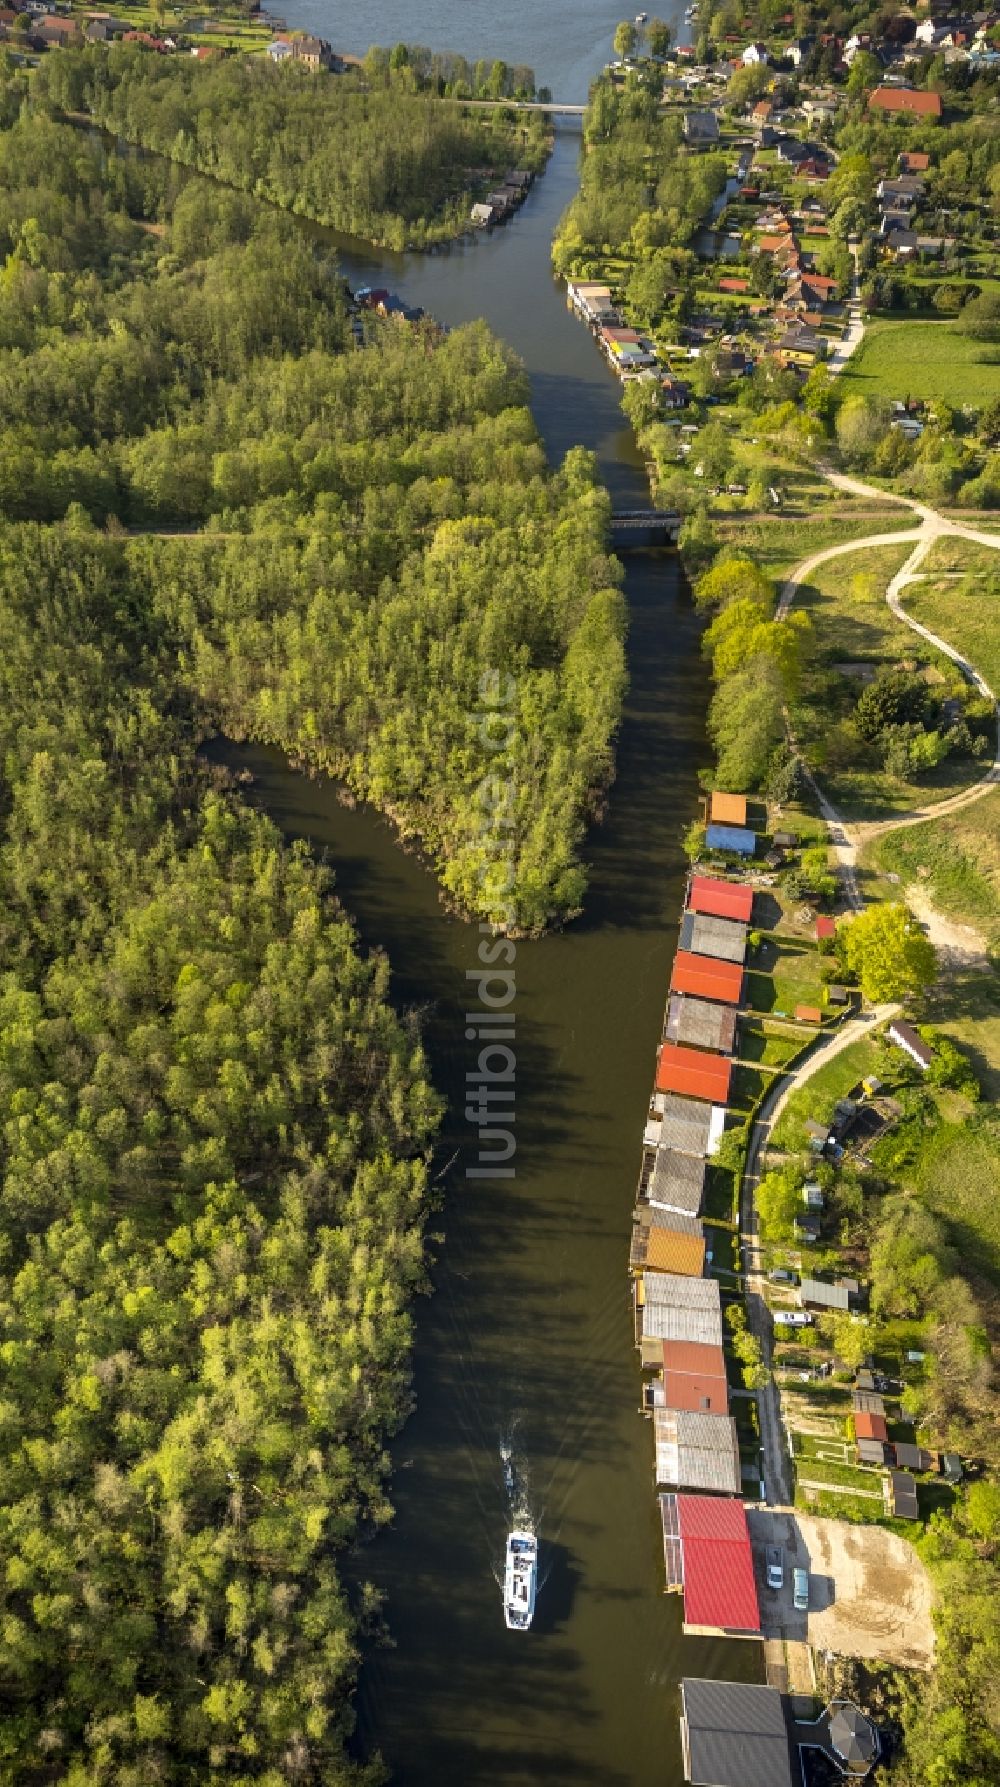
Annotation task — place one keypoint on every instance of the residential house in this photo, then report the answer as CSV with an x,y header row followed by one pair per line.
x,y
914,161
796,53
280,50
907,101
907,188
701,129
755,56
735,1734
52,31
801,347
903,244
674,393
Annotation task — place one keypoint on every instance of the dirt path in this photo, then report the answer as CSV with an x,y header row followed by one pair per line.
x,y
848,840
959,946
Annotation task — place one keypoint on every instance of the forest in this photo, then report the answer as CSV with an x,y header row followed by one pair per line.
x,y
217,510
381,529
637,190
383,158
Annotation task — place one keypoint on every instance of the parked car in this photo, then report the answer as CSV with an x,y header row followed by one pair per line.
x,y
775,1567
780,1276
800,1590
793,1318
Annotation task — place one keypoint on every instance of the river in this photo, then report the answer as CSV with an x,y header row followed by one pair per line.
x,y
527,1340
564,41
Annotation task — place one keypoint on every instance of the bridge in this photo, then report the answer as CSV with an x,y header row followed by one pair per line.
x,y
633,528
522,105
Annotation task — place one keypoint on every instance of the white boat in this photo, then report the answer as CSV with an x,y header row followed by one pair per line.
x,y
520,1579
641,17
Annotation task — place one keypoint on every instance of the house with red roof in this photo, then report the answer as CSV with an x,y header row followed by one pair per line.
x,y
826,930
694,1073
708,1556
910,101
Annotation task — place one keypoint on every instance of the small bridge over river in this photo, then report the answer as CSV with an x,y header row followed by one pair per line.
x,y
633,528
525,105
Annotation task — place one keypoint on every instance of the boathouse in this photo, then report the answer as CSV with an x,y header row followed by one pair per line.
x,y
727,809
720,899
707,1554
693,1073
700,1023
672,1181
707,977
681,1124
719,937
696,1451
734,1734
663,1241
694,1377
733,838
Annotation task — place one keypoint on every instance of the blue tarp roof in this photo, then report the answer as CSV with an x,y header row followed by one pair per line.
x,y
731,837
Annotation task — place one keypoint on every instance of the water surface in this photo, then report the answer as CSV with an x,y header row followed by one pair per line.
x,y
526,1346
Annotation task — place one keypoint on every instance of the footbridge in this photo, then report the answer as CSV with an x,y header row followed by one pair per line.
x,y
525,105
633,528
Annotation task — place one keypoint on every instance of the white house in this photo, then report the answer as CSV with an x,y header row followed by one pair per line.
x,y
280,50
911,1042
755,55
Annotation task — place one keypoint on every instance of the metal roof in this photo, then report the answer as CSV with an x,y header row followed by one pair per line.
x,y
681,1293
708,977
699,1393
870,1427
829,1296
664,1321
868,1401
648,1216
718,937
693,1073
665,1250
731,837
695,1450
734,1735
903,1495
700,1022
719,1588
720,899
728,809
684,1125
677,1182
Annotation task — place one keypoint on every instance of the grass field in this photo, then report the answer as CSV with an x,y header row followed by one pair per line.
x,y
854,627
819,1096
919,359
965,611
781,977
956,858
957,1175
778,546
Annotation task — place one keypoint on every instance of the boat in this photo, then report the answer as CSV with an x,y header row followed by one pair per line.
x,y
520,1579
641,17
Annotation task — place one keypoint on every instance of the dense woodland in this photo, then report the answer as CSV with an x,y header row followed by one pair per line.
x,y
215,1129
383,530
637,191
378,158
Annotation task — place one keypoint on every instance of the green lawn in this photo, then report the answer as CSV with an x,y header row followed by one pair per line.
x,y
964,610
919,359
958,1175
955,858
782,976
856,633
818,1097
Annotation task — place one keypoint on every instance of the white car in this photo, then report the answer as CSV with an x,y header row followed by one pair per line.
x,y
793,1318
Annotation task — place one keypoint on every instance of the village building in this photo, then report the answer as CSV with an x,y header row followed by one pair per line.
x,y
707,1555
906,100
911,1042
695,1450
684,1124
735,1734
707,977
665,1242
670,1180
720,937
700,1023
693,1073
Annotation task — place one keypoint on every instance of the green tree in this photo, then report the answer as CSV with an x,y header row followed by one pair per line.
x,y
626,37
887,951
779,1201
658,36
